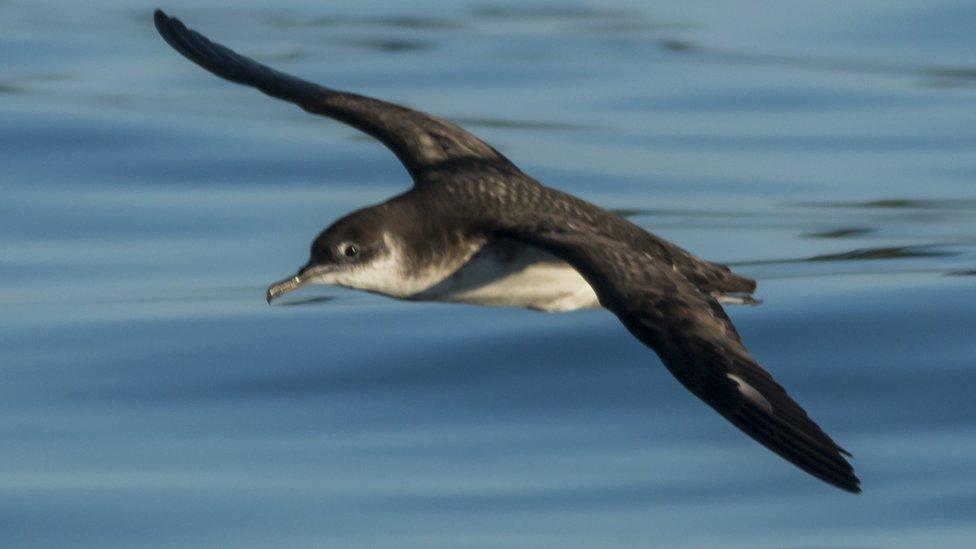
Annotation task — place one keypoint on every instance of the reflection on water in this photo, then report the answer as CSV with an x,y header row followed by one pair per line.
x,y
306,301
388,45
845,232
901,204
286,20
530,12
894,252
151,398
941,75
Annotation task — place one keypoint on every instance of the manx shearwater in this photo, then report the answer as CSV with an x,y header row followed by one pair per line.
x,y
474,228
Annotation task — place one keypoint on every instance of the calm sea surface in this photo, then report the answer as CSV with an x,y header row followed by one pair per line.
x,y
150,398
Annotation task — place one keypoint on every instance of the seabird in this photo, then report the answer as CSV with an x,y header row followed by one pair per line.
x,y
475,229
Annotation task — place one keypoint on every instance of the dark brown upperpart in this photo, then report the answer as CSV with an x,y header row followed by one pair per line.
x,y
489,194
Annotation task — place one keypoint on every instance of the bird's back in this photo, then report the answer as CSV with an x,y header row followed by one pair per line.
x,y
499,192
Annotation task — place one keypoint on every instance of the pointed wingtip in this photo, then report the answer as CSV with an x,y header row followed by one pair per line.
x,y
854,484
165,24
162,22
851,485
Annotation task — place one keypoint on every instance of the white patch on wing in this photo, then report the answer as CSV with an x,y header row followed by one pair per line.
x,y
736,299
751,393
505,273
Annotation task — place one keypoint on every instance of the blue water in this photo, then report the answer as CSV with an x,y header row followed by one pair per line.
x,y
150,398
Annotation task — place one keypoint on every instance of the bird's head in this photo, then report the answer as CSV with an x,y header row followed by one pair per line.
x,y
356,251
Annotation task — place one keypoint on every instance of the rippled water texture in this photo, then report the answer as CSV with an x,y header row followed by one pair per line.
x,y
150,398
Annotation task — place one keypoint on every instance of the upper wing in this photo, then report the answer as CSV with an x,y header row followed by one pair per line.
x,y
699,345
419,140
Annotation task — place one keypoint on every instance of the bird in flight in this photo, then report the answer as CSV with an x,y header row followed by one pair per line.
x,y
475,229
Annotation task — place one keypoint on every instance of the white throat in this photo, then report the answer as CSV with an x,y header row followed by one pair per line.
x,y
387,274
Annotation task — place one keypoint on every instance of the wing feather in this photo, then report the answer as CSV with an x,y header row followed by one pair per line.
x,y
419,140
698,344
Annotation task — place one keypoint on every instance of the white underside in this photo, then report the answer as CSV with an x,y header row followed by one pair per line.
x,y
509,274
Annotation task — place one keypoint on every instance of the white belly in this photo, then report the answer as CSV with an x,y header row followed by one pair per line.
x,y
511,274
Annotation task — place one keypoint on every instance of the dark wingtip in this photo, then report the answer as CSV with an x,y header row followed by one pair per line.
x,y
167,26
849,483
160,18
853,485
164,24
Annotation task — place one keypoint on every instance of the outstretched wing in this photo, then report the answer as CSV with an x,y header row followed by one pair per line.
x,y
697,342
419,140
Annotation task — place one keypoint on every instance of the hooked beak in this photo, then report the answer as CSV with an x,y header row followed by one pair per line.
x,y
301,278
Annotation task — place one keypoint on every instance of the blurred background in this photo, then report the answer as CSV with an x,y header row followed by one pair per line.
x,y
149,397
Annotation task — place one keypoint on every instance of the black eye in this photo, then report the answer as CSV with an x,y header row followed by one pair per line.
x,y
350,250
